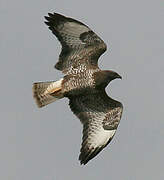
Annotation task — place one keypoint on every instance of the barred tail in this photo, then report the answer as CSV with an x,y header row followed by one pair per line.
x,y
47,92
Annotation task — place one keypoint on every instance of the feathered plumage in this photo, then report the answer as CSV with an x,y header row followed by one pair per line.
x,y
84,84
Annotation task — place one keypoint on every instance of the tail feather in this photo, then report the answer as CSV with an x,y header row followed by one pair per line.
x,y
47,92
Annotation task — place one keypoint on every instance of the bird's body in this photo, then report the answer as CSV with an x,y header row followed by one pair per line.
x,y
79,81
83,83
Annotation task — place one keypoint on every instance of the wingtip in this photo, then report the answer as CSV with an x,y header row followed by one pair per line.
x,y
47,23
47,18
54,15
54,19
82,162
50,14
84,158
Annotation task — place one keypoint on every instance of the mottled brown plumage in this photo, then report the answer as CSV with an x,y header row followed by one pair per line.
x,y
80,45
84,84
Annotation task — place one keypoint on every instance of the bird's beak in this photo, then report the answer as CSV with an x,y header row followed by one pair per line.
x,y
119,76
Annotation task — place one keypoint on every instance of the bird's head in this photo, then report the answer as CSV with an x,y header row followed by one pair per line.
x,y
103,78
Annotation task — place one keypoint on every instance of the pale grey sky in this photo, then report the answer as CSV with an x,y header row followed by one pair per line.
x,y
44,144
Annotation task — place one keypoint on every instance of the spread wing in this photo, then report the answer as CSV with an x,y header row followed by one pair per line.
x,y
100,116
80,45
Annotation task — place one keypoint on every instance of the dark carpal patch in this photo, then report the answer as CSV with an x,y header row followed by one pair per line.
x,y
89,38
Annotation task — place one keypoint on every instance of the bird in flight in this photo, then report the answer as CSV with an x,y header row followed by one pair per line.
x,y
83,84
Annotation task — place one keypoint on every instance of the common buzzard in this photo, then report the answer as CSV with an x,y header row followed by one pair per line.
x,y
83,84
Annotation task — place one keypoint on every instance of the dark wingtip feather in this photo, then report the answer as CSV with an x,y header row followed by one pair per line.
x,y
56,19
47,23
46,17
86,156
53,20
89,153
55,16
50,14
